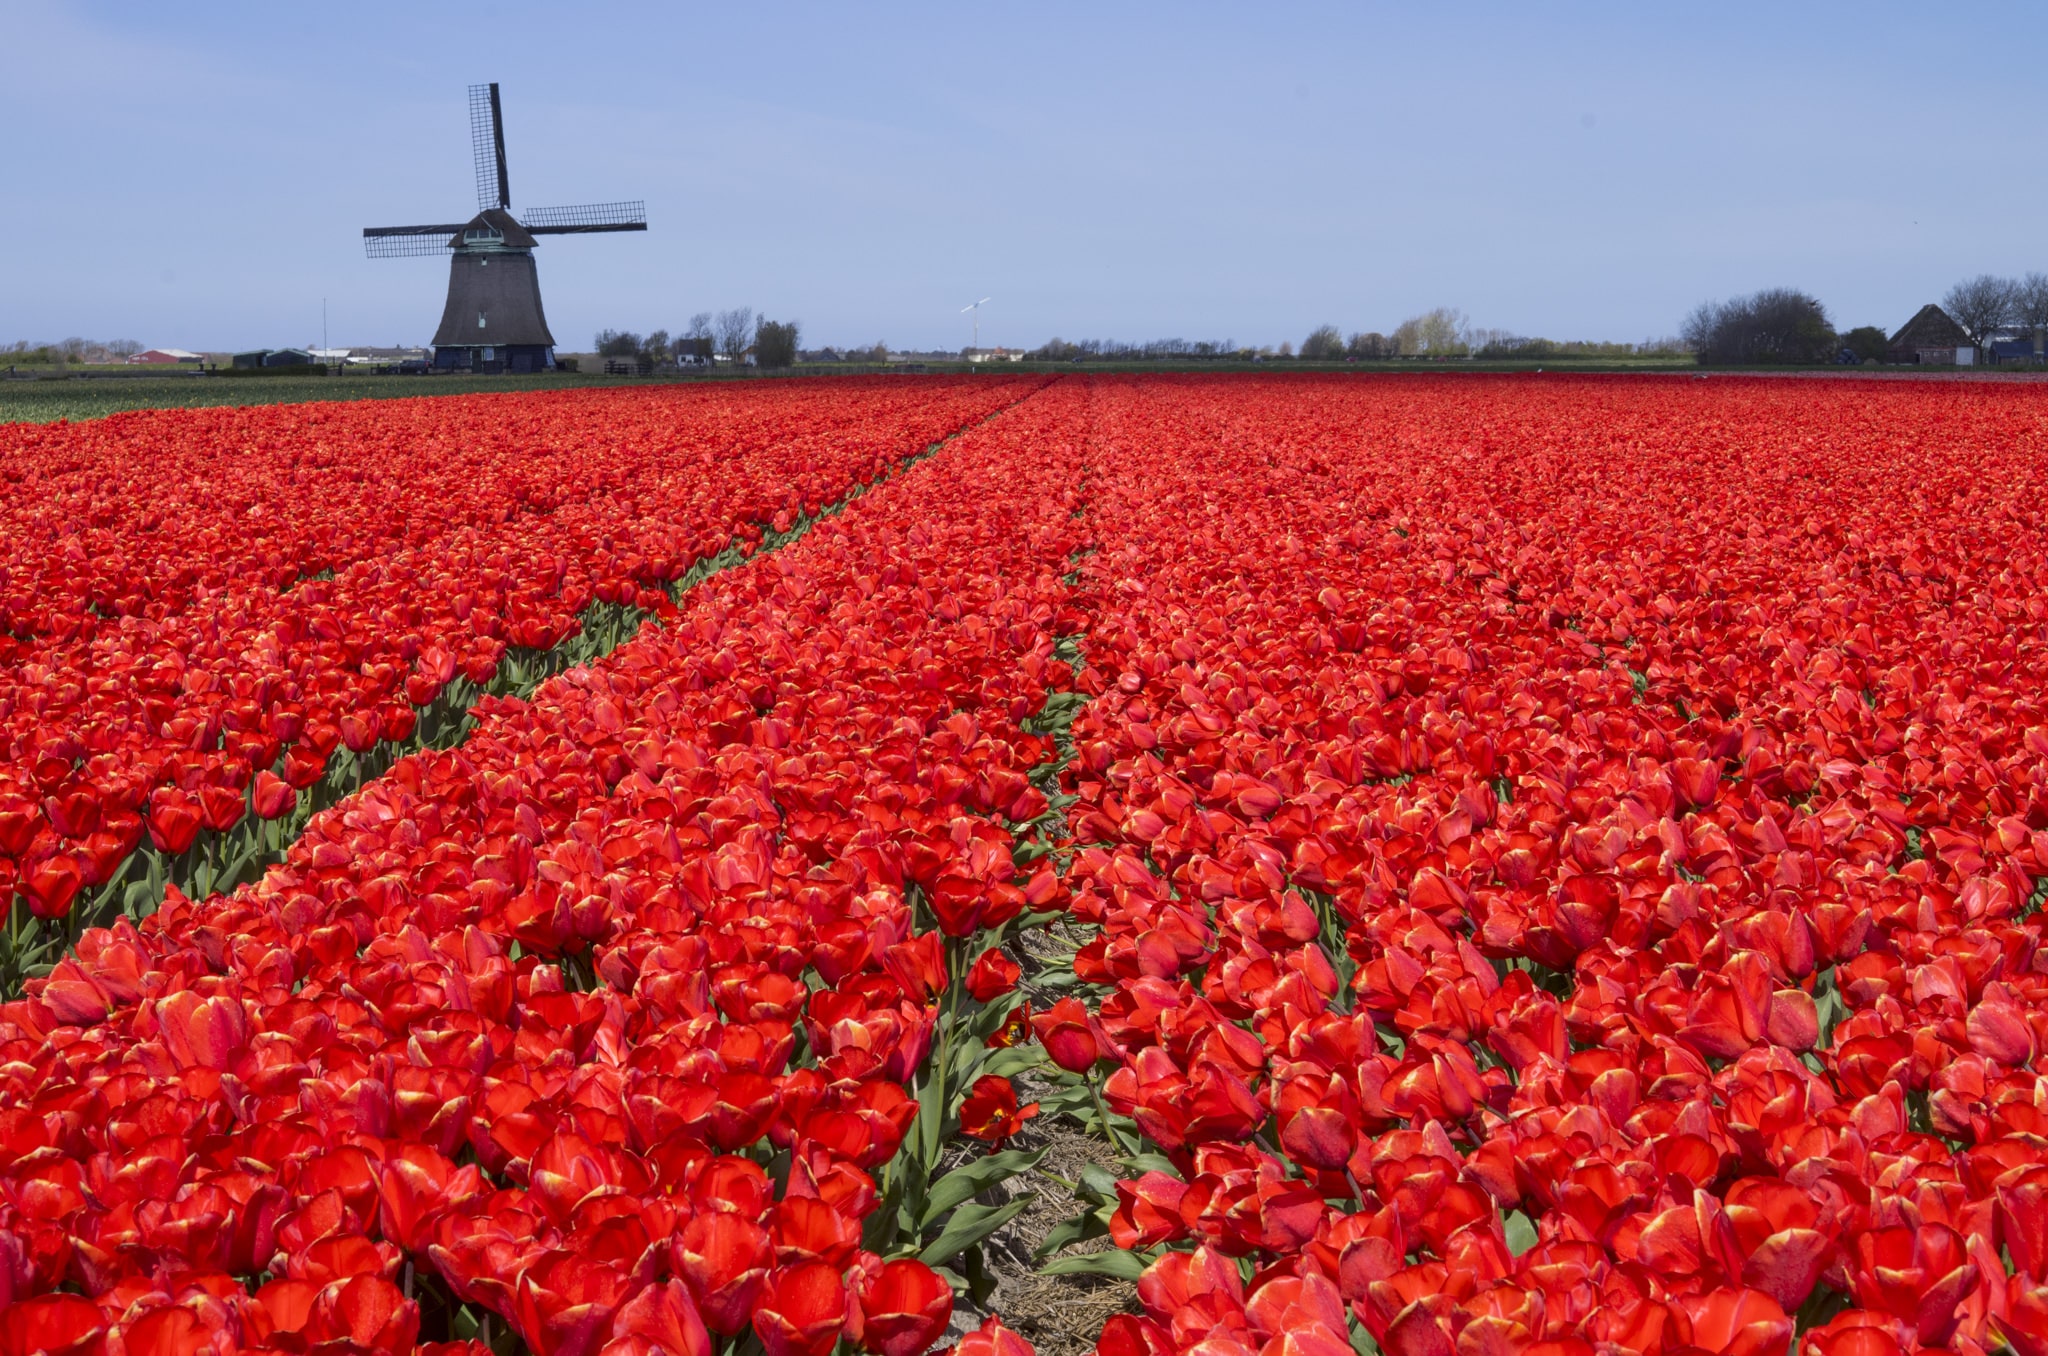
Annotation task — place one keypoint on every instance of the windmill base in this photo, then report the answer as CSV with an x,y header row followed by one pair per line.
x,y
491,360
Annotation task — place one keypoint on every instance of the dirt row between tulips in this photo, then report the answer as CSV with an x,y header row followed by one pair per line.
x,y
1061,1315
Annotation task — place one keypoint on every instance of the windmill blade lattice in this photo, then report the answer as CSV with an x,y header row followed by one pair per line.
x,y
400,242
487,145
597,216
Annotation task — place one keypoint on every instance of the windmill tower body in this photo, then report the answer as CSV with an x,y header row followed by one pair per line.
x,y
493,320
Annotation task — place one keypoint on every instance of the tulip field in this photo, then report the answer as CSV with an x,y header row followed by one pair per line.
x,y
1495,866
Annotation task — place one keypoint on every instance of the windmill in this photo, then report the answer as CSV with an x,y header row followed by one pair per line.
x,y
493,321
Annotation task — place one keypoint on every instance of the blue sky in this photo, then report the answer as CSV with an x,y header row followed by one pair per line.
x,y
199,175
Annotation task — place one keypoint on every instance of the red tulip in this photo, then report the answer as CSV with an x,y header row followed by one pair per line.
x,y
1920,1275
1148,1211
52,1325
990,1112
51,884
1784,1254
992,975
725,1259
2024,1325
904,1307
220,807
2022,1207
992,1339
74,811
282,1306
170,1331
19,820
1739,1323
567,1303
661,1320
203,1032
801,1310
371,1312
1066,1032
303,766
173,820
1861,1332
273,796
808,1229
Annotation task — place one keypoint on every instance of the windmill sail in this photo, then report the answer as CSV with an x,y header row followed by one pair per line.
x,y
398,242
597,216
487,145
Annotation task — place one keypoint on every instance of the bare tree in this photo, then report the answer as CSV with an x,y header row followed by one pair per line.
x,y
1696,331
700,326
1371,344
1323,344
735,331
1981,304
2030,308
123,348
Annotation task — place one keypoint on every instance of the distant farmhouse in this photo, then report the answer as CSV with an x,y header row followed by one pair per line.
x,y
274,357
1931,337
167,355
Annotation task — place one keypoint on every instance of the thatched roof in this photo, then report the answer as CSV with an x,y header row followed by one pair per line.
x,y
1930,327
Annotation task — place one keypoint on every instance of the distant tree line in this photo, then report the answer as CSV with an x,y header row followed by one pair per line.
x,y
877,352
46,353
737,334
1117,350
1444,332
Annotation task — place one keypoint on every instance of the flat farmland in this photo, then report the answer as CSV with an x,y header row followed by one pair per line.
x,y
1290,865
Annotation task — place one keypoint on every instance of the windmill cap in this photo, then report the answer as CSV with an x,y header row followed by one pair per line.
x,y
517,237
